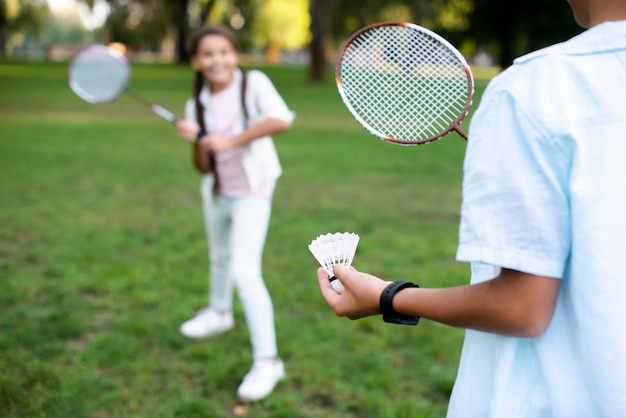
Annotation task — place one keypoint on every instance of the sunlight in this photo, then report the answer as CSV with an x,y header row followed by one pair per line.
x,y
91,18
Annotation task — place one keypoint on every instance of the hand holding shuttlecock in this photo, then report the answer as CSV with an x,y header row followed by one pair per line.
x,y
332,249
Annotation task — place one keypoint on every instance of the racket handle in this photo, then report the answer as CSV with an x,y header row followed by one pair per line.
x,y
461,132
164,113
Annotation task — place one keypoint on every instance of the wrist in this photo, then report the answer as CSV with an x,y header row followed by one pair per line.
x,y
386,304
201,134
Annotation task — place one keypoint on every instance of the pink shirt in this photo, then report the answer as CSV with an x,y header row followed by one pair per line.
x,y
224,108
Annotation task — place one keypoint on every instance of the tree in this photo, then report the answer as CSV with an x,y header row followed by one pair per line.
x,y
180,20
20,19
146,23
282,23
319,31
334,21
139,24
508,30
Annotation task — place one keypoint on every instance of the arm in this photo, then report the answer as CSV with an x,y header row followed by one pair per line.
x,y
188,131
268,127
514,303
264,99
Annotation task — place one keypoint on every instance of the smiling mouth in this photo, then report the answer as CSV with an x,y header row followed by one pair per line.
x,y
219,71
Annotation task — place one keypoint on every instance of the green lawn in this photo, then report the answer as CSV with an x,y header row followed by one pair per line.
x,y
103,255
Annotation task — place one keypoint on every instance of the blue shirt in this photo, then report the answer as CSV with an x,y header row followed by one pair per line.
x,y
544,192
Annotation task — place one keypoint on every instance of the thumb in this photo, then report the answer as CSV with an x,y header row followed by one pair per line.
x,y
342,272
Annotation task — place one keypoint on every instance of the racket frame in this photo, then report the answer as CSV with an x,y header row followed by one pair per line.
x,y
124,64
118,58
454,126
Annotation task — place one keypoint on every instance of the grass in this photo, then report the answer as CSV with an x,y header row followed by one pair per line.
x,y
103,255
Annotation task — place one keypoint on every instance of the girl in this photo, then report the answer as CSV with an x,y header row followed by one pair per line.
x,y
230,122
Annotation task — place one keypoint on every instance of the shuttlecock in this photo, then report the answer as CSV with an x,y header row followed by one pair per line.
x,y
333,249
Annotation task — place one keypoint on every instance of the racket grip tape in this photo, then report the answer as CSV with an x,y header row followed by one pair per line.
x,y
164,113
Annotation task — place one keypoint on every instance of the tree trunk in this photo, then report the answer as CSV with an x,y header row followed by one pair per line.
x,y
180,20
206,10
319,28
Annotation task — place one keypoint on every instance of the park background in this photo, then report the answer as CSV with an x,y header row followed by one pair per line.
x,y
102,250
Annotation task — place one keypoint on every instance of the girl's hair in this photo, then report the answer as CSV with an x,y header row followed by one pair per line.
x,y
206,30
192,50
198,83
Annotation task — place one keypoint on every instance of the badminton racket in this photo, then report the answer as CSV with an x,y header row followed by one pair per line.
x,y
99,74
404,83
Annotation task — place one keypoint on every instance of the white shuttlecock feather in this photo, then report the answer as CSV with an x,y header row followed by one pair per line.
x,y
333,249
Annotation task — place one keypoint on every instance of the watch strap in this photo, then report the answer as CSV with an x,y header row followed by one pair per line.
x,y
386,304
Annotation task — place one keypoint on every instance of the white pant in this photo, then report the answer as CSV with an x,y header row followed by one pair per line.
x,y
236,230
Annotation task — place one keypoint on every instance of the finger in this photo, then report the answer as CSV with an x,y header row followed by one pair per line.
x,y
323,277
326,288
342,272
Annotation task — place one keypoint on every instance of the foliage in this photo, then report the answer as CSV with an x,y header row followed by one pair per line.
x,y
454,16
103,255
139,24
509,30
284,23
20,20
65,30
350,15
475,26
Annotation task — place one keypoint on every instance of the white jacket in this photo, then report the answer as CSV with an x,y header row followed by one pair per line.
x,y
259,157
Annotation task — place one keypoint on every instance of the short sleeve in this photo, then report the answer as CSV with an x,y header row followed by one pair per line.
x,y
266,98
190,110
515,210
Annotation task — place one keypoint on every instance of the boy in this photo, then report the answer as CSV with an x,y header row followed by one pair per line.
x,y
543,223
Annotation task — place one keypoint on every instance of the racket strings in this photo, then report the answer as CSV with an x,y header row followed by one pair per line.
x,y
97,76
403,83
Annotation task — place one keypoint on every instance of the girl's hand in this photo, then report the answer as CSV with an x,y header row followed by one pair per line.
x,y
187,130
216,143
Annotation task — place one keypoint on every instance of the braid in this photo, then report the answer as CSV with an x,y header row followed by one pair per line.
x,y
198,83
244,87
205,163
192,50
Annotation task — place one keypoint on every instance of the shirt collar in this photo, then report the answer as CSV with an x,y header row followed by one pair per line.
x,y
205,93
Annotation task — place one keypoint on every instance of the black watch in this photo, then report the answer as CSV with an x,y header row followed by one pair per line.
x,y
386,305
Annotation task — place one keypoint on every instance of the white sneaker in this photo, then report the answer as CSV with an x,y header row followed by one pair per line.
x,y
207,322
261,379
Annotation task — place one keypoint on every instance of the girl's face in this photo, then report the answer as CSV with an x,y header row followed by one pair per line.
x,y
215,59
